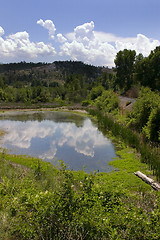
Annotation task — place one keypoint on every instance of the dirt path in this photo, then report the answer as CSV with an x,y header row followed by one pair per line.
x,y
126,103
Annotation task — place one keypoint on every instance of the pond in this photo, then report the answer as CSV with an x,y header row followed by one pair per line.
x,y
53,136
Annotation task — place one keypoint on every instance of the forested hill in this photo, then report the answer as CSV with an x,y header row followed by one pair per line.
x,y
45,82
19,66
64,68
70,67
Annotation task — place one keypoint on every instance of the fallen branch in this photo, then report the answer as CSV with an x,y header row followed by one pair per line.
x,y
148,180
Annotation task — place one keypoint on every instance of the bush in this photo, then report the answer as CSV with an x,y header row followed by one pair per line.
x,y
152,129
96,92
86,103
107,102
143,107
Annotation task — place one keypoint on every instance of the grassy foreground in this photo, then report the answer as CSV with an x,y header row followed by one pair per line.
x,y
40,201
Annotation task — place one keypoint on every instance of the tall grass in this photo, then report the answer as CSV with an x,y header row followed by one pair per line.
x,y
149,154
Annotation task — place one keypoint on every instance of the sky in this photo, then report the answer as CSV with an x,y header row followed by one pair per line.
x,y
92,31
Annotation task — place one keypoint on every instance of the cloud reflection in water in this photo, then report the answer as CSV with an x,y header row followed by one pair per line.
x,y
48,139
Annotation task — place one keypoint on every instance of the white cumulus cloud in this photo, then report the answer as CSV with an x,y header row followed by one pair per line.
x,y
18,46
141,44
85,31
1,31
100,48
61,38
83,44
112,38
49,25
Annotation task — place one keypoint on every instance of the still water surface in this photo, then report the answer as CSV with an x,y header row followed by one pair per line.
x,y
54,136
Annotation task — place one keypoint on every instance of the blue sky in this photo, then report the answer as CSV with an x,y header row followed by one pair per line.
x,y
92,31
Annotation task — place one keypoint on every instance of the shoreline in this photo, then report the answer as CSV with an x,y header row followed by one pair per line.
x,y
63,108
41,107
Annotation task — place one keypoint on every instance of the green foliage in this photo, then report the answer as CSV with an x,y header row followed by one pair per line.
x,y
143,107
86,103
107,102
96,92
2,95
124,62
107,80
149,155
147,70
41,83
77,205
75,88
152,129
106,123
79,68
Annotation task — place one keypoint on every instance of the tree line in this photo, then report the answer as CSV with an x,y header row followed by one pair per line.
x,y
31,83
137,69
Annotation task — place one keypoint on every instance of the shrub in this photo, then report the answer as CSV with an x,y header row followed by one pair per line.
x,y
143,107
96,92
152,129
107,102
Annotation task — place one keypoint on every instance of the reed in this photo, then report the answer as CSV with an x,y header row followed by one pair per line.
x,y
149,153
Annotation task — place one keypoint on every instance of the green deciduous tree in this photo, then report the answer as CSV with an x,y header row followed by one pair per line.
x,y
96,92
147,70
152,129
124,62
107,102
147,101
